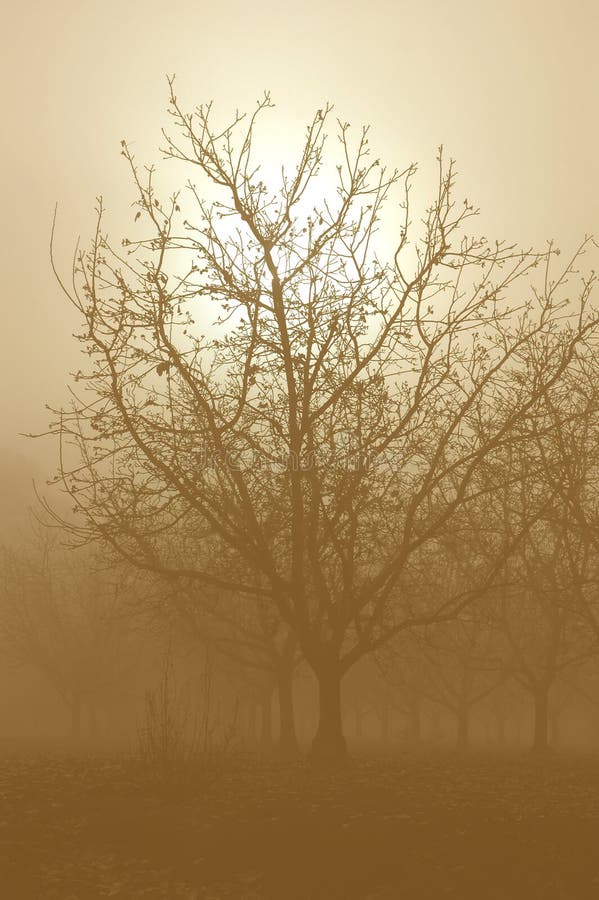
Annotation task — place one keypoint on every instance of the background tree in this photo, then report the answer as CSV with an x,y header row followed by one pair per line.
x,y
67,617
462,667
537,612
249,636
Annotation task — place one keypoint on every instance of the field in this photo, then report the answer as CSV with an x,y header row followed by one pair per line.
x,y
419,827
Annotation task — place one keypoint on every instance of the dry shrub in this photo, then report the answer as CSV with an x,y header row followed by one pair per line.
x,y
178,741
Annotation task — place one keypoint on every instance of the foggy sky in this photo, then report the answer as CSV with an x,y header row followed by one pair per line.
x,y
510,89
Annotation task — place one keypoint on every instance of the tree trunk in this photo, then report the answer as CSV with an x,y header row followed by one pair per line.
x,y
329,742
385,722
554,735
359,730
541,722
463,716
253,729
266,740
250,721
414,722
288,745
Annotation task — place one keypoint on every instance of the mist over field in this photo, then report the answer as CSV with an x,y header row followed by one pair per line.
x,y
299,505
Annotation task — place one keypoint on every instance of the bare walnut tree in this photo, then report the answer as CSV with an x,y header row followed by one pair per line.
x,y
267,382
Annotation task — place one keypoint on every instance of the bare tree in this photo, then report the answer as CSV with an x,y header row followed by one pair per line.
x,y
268,375
567,442
66,618
462,668
537,609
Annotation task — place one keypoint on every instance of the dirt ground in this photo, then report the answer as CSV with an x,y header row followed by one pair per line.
x,y
407,827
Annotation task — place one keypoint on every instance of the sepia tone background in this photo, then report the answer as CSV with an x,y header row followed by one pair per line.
x,y
510,89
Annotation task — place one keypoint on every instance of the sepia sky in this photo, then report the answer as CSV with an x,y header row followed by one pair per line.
x,y
509,88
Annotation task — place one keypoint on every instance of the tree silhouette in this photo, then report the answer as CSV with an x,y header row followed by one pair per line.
x,y
297,378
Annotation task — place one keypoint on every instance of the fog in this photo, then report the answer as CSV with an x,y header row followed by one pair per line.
x,y
299,535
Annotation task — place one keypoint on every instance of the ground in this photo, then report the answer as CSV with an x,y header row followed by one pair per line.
x,y
404,827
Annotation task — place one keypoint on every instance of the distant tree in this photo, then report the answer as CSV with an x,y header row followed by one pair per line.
x,y
286,374
503,708
567,444
66,618
251,639
402,667
369,695
537,609
462,667
16,473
